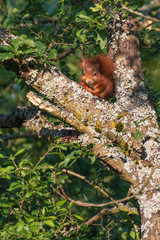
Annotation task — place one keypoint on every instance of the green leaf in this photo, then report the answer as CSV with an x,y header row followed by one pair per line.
x,y
6,22
50,223
51,217
20,226
79,32
15,43
67,159
70,156
92,158
28,42
137,123
61,155
16,10
61,146
132,234
78,217
5,205
70,205
31,50
6,48
95,9
52,54
102,41
60,203
26,16
41,47
28,195
138,135
39,193
84,16
29,220
25,162
14,186
19,152
2,156
62,210
22,37
74,43
61,179
43,211
6,56
28,235
7,169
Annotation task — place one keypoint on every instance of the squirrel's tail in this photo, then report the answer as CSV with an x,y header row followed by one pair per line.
x,y
107,66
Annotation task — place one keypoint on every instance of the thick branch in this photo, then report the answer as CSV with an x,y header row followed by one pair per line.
x,y
114,160
17,117
35,120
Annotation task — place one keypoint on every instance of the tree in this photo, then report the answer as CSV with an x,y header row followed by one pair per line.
x,y
123,134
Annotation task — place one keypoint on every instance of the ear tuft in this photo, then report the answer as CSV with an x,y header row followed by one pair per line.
x,y
96,66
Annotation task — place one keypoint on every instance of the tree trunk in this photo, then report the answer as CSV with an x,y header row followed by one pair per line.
x,y
150,215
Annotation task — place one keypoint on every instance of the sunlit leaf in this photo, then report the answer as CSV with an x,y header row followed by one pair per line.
x,y
20,226
19,152
50,223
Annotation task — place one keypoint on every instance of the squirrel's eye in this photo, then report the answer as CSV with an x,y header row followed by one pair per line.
x,y
83,73
95,74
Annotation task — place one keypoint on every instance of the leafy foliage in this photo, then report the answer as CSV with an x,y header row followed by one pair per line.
x,y
30,208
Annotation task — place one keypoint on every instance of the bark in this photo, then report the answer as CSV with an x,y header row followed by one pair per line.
x,y
129,124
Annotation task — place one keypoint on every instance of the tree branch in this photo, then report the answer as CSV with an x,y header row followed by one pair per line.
x,y
35,120
64,195
140,14
17,117
88,181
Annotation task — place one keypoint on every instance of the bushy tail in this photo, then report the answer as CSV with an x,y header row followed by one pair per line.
x,y
107,66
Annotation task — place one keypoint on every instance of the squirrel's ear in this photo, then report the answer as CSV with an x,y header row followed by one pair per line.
x,y
83,63
97,66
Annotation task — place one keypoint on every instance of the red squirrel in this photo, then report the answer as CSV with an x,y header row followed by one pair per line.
x,y
97,75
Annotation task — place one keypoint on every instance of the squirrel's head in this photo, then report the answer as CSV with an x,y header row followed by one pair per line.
x,y
90,72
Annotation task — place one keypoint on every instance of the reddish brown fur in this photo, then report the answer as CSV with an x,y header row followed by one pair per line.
x,y
97,75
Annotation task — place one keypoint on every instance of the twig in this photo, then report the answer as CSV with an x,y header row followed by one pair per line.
x,y
96,187
43,156
140,14
14,163
35,33
120,207
84,204
63,54
148,7
86,180
135,228
101,214
79,203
